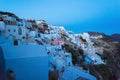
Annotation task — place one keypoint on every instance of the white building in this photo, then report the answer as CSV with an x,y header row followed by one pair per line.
x,y
22,29
16,30
2,26
11,31
24,23
32,34
72,73
86,36
40,21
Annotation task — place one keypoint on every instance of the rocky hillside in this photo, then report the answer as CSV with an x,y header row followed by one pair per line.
x,y
116,37
111,55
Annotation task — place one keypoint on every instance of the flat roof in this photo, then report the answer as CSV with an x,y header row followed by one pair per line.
x,y
23,51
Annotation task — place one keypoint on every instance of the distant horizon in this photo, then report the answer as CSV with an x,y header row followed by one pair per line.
x,y
78,16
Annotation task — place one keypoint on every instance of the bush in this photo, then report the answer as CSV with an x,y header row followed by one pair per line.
x,y
83,39
81,52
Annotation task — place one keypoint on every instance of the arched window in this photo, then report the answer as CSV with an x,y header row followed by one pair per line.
x,y
14,30
20,31
8,30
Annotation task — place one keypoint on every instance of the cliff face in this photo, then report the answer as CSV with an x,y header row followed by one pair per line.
x,y
111,55
116,37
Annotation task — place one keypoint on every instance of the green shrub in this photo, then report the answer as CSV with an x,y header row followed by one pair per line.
x,y
83,39
81,52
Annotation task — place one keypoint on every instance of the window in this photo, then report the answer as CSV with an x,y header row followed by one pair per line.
x,y
8,30
1,19
8,22
0,31
20,31
14,30
23,37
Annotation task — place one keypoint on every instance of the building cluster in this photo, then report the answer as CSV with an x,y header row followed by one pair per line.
x,y
20,59
18,32
18,29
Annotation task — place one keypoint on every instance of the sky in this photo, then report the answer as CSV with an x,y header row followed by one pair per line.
x,y
76,15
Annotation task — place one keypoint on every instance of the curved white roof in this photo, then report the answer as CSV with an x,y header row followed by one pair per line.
x,y
72,73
